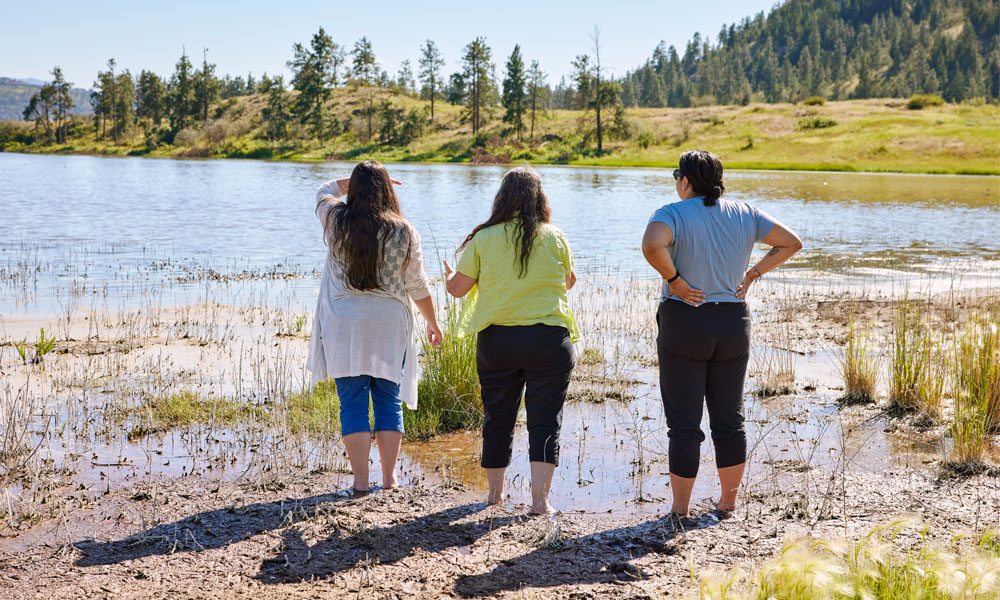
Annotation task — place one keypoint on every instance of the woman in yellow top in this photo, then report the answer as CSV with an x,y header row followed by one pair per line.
x,y
518,268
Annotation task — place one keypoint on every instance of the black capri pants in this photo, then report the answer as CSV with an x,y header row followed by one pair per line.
x,y
703,354
536,360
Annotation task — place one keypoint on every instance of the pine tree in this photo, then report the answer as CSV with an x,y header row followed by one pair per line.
x,y
476,75
537,93
431,62
514,92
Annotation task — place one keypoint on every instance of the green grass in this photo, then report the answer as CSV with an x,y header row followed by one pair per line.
x,y
449,393
879,135
184,408
876,566
915,373
316,411
976,392
859,366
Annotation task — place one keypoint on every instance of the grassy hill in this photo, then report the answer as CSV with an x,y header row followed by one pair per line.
x,y
14,96
855,135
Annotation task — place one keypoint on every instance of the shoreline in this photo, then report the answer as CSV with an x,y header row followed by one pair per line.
x,y
592,163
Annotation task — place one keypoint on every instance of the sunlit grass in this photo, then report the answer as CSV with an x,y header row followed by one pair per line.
x,y
448,390
876,566
859,366
976,391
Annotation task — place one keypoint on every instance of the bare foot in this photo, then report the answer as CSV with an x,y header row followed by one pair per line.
x,y
725,506
542,509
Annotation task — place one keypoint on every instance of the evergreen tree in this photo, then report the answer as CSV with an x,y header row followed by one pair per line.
x,y
277,113
206,86
538,93
62,102
181,94
514,92
431,61
313,74
477,77
366,72
150,98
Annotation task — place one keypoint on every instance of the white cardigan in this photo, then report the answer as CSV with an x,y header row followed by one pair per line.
x,y
367,332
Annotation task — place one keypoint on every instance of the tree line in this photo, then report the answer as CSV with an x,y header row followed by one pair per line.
x,y
830,48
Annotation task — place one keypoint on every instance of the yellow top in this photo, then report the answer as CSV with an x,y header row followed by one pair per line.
x,y
500,296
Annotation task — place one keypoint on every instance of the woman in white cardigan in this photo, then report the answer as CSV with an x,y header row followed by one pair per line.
x,y
364,332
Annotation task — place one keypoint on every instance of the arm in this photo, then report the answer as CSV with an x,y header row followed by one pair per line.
x,y
418,287
426,308
570,280
784,243
328,195
655,241
459,284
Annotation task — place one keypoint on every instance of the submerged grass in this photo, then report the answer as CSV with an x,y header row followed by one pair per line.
x,y
448,390
186,407
872,567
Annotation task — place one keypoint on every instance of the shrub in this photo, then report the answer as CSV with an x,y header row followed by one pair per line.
x,y
646,139
918,101
816,122
814,101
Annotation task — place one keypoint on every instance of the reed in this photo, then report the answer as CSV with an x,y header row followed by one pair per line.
x,y
976,392
859,365
914,382
448,390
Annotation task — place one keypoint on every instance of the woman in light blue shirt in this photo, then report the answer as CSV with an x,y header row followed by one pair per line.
x,y
701,247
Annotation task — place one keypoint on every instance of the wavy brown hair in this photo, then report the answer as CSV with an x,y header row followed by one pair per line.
x,y
360,228
521,202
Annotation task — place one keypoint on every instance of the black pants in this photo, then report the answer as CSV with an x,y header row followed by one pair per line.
x,y
533,359
703,356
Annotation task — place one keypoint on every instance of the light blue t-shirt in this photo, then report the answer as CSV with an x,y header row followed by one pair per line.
x,y
712,244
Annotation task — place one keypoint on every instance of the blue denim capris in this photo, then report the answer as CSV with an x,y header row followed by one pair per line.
x,y
354,393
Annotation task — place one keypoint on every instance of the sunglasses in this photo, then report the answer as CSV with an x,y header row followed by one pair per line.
x,y
677,174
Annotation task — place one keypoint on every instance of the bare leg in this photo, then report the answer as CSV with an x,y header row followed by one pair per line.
x,y
359,446
541,483
681,488
730,478
388,451
495,477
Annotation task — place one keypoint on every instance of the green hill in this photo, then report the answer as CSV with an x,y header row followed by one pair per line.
x,y
14,96
837,49
851,135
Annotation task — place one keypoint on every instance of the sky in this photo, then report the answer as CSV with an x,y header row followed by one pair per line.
x,y
257,36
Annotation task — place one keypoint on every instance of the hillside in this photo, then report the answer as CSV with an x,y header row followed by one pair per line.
x,y
856,135
14,96
837,49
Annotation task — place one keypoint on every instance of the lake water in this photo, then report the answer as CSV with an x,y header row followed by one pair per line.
x,y
120,218
129,228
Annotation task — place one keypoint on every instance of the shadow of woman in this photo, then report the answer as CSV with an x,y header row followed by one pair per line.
x,y
204,531
600,557
300,561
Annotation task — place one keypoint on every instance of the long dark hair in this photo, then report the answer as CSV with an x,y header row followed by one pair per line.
x,y
704,172
521,201
359,229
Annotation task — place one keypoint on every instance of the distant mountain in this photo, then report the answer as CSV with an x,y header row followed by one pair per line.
x,y
31,81
15,94
831,48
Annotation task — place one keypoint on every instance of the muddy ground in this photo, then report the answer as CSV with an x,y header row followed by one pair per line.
x,y
197,538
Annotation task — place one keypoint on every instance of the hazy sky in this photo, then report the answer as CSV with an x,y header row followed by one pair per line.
x,y
257,36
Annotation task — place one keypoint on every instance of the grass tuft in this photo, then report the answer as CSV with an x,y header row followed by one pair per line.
x,y
860,366
448,391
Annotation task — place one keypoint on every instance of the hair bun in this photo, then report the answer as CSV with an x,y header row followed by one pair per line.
x,y
717,191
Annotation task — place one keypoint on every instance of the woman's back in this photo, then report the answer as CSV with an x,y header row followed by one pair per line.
x,y
712,244
503,296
